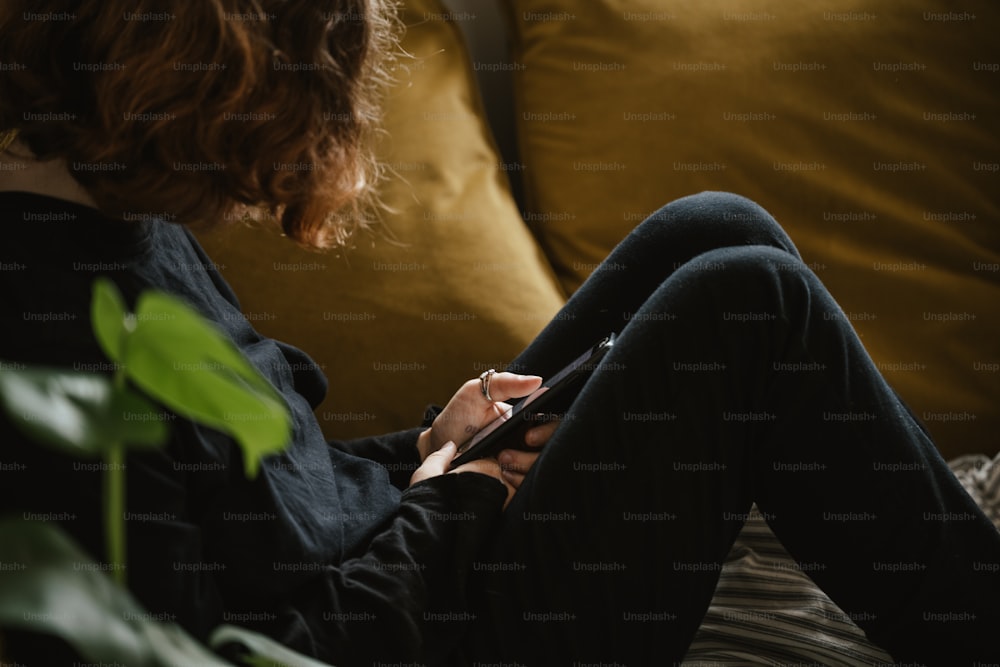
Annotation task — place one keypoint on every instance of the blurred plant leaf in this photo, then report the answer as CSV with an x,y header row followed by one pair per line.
x,y
109,319
180,360
81,413
264,651
51,587
185,363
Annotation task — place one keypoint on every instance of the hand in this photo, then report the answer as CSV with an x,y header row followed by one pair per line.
x,y
515,463
468,411
437,463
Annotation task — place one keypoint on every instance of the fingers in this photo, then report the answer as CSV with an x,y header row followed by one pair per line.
x,y
500,408
435,464
515,464
539,435
441,459
506,385
468,410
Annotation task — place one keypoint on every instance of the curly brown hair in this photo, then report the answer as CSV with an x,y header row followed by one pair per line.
x,y
197,111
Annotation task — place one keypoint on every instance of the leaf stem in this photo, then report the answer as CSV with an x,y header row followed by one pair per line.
x,y
114,501
114,509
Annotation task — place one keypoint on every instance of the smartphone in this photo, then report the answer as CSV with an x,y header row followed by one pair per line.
x,y
554,397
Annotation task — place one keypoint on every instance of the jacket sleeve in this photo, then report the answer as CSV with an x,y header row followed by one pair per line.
x,y
396,452
404,598
399,597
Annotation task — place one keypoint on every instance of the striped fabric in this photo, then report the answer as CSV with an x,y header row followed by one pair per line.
x,y
767,611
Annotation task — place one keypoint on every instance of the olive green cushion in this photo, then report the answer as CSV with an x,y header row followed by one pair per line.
x,y
454,286
870,130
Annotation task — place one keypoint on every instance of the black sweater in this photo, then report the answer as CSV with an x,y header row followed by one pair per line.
x,y
326,550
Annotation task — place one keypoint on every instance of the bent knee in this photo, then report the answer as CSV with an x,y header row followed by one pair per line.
x,y
751,274
714,206
714,220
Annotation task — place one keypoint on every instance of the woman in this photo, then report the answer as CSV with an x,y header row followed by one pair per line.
x,y
735,379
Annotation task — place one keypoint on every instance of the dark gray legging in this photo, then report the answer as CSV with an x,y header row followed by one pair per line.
x,y
736,379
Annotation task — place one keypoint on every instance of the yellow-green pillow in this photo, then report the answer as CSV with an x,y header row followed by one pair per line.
x,y
870,130
458,285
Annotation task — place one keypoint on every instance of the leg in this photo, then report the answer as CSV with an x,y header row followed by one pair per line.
x,y
673,236
728,386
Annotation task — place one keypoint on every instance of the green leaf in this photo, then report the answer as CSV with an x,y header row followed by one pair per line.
x,y
185,363
109,319
135,421
264,651
175,648
51,587
81,413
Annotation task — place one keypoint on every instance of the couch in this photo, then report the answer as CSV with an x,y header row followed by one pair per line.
x,y
871,134
525,138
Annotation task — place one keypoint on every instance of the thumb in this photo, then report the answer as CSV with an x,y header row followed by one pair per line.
x,y
437,462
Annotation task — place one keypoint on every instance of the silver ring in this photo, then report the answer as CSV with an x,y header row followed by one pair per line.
x,y
484,383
